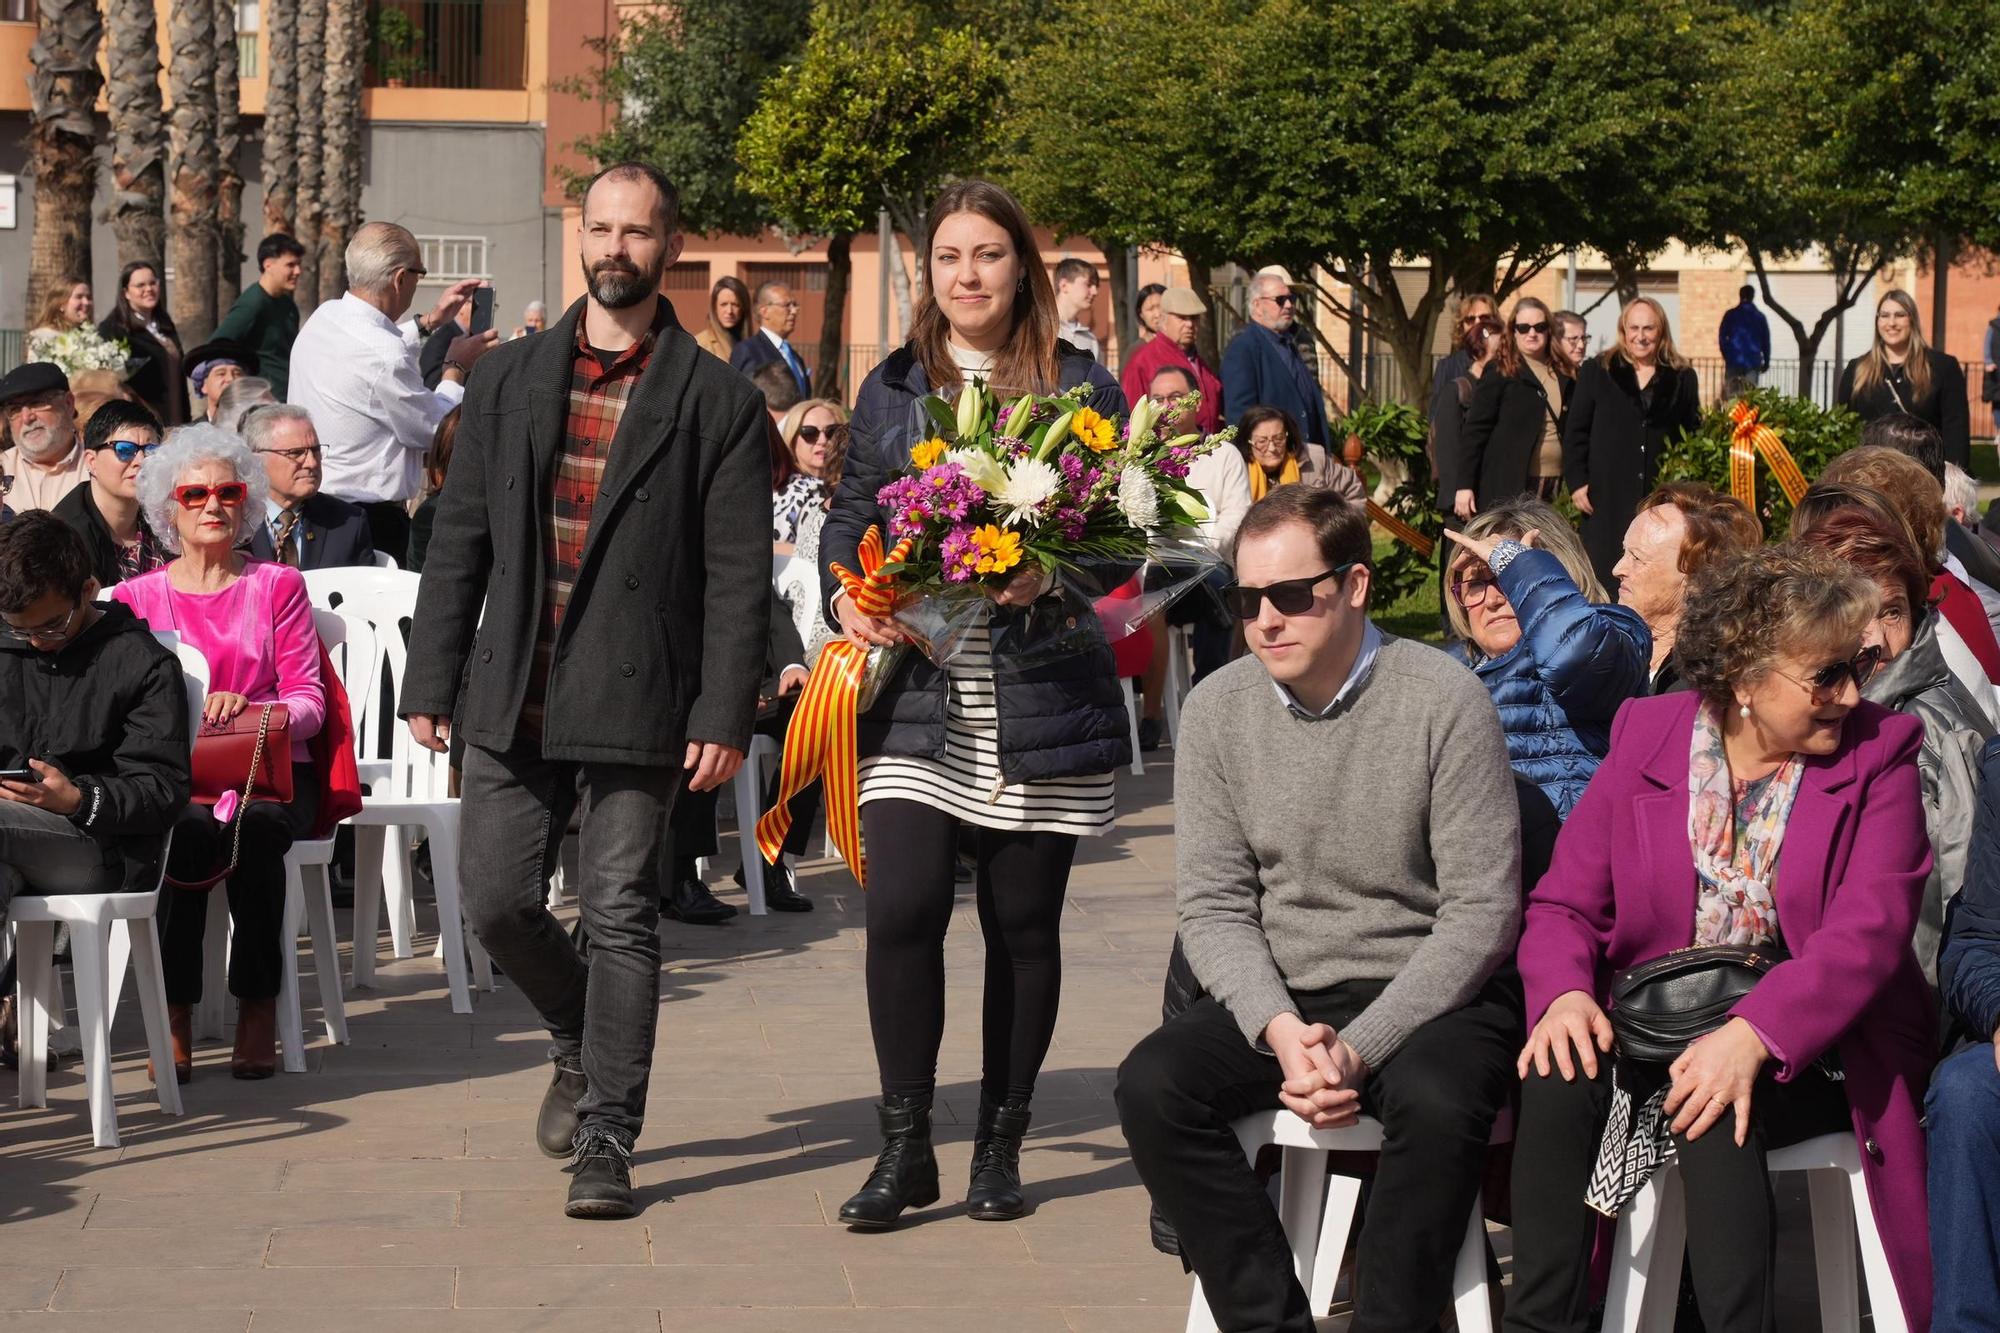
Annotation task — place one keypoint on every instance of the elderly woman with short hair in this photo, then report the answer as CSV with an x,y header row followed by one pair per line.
x,y
1679,530
1546,640
1769,808
253,623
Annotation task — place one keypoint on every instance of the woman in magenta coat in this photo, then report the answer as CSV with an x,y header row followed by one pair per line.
x,y
1821,853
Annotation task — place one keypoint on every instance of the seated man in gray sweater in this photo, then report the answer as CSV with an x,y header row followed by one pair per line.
x,y
1348,950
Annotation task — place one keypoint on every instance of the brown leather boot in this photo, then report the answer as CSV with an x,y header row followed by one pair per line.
x,y
256,1054
180,1035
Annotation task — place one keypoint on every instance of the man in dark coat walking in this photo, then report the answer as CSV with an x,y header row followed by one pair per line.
x,y
596,505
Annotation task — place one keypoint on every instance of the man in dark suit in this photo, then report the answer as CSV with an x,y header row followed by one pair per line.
x,y
1262,365
301,527
777,313
595,508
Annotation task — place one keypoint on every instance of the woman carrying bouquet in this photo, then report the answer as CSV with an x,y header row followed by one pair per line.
x,y
1019,754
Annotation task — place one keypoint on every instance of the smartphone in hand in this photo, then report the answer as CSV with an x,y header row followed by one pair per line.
x,y
482,310
19,775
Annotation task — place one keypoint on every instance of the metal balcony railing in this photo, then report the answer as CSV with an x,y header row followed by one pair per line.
x,y
456,44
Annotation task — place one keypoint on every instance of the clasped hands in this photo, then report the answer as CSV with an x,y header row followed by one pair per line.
x,y
1323,1074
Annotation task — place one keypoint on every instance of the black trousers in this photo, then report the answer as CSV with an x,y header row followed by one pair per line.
x,y
389,527
1021,881
691,828
256,892
1731,1232
1182,1086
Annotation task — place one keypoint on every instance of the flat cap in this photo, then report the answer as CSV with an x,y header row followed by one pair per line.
x,y
32,378
1183,301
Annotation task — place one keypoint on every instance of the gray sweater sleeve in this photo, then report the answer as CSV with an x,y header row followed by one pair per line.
x,y
1475,844
1221,921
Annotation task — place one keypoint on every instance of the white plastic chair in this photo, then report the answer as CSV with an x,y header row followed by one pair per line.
x,y
1180,676
383,560
1132,719
104,929
749,782
1317,1212
1652,1236
414,793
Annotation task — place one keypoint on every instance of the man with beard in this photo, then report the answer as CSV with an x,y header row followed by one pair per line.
x,y
43,460
354,369
595,507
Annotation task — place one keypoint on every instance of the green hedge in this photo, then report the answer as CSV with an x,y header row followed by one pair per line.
x,y
1812,434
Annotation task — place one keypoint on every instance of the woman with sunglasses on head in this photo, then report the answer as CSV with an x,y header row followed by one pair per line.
x,y
1901,372
1511,442
105,511
1769,808
798,465
251,620
1628,403
1861,527
1017,751
1545,638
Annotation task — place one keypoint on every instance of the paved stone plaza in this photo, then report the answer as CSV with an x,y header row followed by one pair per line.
x,y
396,1186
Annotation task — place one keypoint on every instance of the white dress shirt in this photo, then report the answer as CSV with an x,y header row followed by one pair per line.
x,y
1357,676
356,372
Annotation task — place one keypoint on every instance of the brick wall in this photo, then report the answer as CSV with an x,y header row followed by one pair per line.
x,y
1706,296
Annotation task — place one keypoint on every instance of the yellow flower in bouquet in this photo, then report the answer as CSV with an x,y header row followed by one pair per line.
x,y
1095,431
928,453
998,551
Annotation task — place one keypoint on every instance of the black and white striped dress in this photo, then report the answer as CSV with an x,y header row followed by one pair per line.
x,y
967,782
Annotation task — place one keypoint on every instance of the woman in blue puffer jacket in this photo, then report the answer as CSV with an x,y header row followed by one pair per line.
x,y
1557,655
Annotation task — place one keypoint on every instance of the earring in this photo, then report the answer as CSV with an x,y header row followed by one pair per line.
x,y
1021,286
1744,711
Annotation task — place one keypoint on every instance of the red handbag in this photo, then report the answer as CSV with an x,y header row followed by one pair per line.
x,y
250,755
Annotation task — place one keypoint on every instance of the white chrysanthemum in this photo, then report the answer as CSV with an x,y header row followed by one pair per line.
x,y
1029,485
981,468
1138,498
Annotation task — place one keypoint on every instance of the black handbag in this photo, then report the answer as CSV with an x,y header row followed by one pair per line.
x,y
1660,1006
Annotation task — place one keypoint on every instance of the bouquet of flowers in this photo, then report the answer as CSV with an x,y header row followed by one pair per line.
x,y
1048,484
79,349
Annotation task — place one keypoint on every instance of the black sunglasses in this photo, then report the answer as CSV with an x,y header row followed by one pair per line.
x,y
812,434
1830,678
1289,597
1542,327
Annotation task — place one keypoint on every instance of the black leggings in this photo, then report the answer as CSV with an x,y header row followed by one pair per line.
x,y
1022,878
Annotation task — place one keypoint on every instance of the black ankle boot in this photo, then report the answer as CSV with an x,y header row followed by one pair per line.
x,y
995,1195
905,1175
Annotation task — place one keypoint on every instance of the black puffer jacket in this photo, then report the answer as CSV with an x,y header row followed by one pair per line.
x,y
1059,718
109,710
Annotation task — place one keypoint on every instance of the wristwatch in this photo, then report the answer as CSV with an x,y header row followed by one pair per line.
x,y
460,367
422,332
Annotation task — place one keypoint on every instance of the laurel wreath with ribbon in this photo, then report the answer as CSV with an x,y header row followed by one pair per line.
x,y
820,740
1749,439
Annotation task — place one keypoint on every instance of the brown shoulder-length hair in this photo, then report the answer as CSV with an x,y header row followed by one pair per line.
x,y
1876,543
1668,357
51,315
1510,358
1874,367
1718,523
1027,364
729,337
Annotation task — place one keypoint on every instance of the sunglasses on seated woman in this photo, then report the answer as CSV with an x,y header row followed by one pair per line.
x,y
1830,678
1290,597
813,434
195,494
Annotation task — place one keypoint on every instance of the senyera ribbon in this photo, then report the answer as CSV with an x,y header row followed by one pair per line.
x,y
820,739
1748,439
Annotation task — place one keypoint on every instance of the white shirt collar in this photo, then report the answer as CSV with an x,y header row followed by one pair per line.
x,y
1357,676
776,341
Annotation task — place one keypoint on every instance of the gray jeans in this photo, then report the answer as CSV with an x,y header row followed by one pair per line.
x,y
43,853
600,1008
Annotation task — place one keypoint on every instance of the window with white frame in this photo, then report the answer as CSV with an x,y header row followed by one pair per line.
x,y
249,23
452,259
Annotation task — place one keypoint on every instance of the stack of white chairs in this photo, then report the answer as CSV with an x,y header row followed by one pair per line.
x,y
105,929
409,789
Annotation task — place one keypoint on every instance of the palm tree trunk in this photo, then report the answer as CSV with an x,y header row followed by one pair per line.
x,y
310,59
138,135
228,148
340,184
281,128
62,142
191,77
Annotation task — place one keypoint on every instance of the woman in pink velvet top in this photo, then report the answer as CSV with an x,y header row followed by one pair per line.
x,y
1769,806
202,492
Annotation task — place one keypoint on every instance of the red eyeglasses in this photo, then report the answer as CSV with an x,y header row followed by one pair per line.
x,y
195,495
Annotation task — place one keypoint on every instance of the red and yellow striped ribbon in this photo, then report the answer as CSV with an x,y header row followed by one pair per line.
x,y
1749,439
1402,531
820,740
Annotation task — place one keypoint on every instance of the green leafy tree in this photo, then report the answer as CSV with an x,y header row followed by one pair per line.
x,y
882,108
685,78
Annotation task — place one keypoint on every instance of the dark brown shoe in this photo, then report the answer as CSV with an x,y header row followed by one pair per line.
x,y
256,1054
180,1034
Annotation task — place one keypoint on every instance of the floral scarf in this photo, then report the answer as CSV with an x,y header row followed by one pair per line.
x,y
1735,830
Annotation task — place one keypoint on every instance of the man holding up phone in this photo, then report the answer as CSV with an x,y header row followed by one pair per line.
x,y
93,725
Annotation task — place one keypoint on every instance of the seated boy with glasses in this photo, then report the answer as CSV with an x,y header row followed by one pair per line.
x,y
1347,947
93,725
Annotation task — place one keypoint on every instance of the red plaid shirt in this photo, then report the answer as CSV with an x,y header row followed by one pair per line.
x,y
598,393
